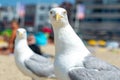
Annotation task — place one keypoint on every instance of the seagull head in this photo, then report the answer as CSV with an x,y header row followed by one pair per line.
x,y
21,34
58,16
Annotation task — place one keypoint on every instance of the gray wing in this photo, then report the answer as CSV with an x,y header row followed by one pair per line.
x,y
40,66
92,62
95,69
91,74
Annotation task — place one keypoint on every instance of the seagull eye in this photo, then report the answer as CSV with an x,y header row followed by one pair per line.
x,y
64,12
51,12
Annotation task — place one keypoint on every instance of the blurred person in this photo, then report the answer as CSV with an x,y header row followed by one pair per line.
x,y
49,34
3,46
32,44
3,43
14,26
51,38
36,48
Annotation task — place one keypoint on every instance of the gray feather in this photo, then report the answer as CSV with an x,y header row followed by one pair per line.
x,y
40,66
95,69
91,74
92,62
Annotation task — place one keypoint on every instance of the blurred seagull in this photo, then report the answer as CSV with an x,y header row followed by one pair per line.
x,y
30,63
73,61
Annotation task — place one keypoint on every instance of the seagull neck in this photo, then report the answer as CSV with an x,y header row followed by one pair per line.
x,y
22,50
59,24
23,41
66,39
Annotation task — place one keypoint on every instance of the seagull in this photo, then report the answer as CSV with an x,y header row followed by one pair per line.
x,y
73,61
30,63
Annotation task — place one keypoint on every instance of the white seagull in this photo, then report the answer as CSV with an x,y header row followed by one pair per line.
x,y
73,61
30,63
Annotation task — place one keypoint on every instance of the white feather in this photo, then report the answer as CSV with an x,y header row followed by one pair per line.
x,y
22,52
70,50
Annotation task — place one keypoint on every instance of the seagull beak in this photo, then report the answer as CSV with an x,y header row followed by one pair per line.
x,y
58,17
20,34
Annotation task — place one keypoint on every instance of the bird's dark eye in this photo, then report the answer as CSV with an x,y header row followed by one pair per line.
x,y
51,12
64,12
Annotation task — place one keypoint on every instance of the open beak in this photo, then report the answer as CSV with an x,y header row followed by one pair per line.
x,y
58,17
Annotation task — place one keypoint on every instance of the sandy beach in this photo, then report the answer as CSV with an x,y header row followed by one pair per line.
x,y
9,71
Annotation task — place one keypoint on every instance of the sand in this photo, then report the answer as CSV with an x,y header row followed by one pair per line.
x,y
9,71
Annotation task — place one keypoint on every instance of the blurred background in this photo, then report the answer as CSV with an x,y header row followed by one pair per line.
x,y
97,22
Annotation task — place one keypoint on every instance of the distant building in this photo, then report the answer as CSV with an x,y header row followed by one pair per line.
x,y
102,19
30,13
6,15
37,16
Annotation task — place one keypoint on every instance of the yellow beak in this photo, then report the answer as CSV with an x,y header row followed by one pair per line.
x,y
20,34
58,17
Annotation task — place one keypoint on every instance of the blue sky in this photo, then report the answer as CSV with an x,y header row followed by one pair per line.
x,y
13,2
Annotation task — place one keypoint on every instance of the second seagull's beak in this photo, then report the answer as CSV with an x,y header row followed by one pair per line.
x,y
58,17
20,34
